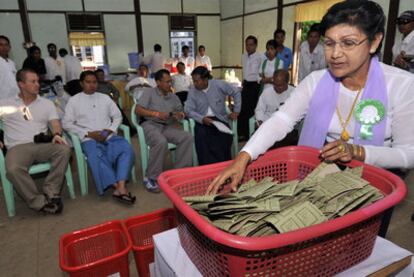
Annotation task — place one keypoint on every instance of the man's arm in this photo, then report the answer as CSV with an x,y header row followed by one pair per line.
x,y
141,111
57,131
69,120
190,108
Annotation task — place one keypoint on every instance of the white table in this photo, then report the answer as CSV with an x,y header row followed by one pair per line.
x,y
172,260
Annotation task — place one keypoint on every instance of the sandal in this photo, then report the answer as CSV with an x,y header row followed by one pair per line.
x,y
125,198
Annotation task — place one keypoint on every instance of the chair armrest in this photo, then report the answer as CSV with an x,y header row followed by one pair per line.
x,y
126,132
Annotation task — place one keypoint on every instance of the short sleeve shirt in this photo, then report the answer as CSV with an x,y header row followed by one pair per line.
x,y
21,123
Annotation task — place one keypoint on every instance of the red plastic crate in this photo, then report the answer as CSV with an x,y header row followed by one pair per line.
x,y
141,229
320,250
101,250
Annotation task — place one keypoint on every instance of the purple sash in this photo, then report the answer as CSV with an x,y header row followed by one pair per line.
x,y
323,103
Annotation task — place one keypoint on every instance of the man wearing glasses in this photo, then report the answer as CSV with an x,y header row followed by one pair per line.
x,y
403,51
25,119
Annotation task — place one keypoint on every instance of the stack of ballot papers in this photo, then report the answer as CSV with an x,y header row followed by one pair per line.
x,y
267,207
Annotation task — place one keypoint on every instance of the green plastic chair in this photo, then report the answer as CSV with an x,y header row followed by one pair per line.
x,y
144,148
252,126
34,169
81,159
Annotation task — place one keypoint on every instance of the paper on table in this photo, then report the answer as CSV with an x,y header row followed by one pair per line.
x,y
221,127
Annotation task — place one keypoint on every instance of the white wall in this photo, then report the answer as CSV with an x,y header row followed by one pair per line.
x,y
108,5
7,4
119,41
230,8
48,28
155,30
231,42
253,25
257,5
201,6
172,6
208,33
54,5
15,35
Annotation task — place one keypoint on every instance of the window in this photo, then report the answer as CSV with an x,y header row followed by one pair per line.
x,y
89,48
178,40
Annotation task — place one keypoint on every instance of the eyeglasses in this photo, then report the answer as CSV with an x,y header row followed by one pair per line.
x,y
346,44
403,21
27,115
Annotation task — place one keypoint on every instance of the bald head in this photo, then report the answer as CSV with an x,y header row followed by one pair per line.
x,y
280,80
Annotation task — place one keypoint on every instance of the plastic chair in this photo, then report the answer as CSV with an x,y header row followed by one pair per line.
x,y
144,148
252,126
81,159
34,169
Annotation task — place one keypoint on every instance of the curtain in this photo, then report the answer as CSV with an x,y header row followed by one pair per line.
x,y
313,11
86,39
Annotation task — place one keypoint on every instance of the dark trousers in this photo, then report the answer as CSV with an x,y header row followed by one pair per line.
x,y
182,95
212,146
250,96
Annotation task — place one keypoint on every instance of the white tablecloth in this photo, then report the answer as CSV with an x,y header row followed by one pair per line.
x,y
172,260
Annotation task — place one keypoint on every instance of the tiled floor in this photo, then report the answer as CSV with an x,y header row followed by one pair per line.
x,y
29,241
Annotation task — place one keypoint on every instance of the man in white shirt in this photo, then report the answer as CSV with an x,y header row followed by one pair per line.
x,y
312,55
251,61
8,84
55,66
73,66
403,51
25,116
273,97
156,60
181,83
187,59
202,59
95,118
138,85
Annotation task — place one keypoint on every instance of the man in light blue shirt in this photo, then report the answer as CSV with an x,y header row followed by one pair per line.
x,y
284,53
206,104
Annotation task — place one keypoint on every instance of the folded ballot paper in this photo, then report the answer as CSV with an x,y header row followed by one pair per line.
x,y
222,127
266,207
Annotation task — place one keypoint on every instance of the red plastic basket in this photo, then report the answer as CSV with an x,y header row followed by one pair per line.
x,y
141,229
101,250
319,250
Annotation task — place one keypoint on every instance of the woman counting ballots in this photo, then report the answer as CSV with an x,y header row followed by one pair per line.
x,y
357,108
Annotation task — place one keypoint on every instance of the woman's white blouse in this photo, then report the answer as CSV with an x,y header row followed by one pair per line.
x,y
398,149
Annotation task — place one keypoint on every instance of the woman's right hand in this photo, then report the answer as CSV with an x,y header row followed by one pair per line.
x,y
234,172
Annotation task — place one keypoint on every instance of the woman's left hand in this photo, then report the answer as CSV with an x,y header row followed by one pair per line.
x,y
337,150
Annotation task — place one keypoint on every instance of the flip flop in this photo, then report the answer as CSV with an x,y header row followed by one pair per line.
x,y
125,198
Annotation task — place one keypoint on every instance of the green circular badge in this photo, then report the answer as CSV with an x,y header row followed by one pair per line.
x,y
369,112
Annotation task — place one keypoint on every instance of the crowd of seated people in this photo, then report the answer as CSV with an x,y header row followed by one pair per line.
x,y
163,100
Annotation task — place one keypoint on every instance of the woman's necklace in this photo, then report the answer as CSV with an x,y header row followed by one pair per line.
x,y
344,134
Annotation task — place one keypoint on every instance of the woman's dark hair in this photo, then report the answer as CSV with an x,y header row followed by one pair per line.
x,y
364,14
33,49
272,43
202,72
86,73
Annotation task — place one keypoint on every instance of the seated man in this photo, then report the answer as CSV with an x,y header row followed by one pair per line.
x,y
161,110
206,105
273,97
95,118
181,82
106,87
136,86
25,116
271,100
